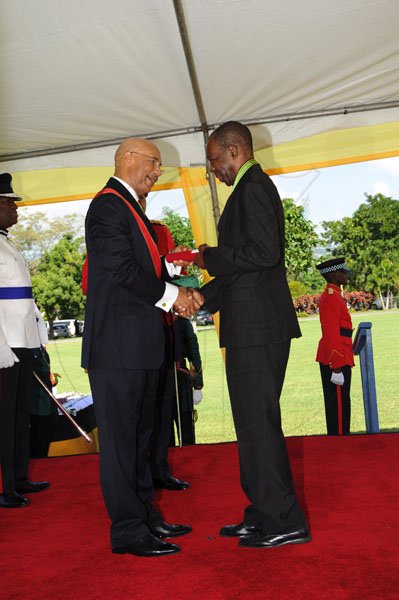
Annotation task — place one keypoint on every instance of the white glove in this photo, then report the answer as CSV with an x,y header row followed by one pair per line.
x,y
197,396
7,357
337,378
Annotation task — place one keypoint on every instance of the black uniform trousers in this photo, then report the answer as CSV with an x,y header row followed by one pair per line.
x,y
15,398
124,405
337,401
186,409
42,430
163,424
255,377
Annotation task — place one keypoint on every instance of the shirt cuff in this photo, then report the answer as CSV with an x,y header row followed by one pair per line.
x,y
169,297
172,269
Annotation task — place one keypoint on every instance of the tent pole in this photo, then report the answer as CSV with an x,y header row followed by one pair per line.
x,y
212,186
185,40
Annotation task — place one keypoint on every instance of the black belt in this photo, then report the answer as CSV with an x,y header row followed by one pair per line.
x,y
345,332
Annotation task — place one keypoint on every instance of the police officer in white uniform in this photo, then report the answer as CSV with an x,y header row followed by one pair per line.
x,y
21,330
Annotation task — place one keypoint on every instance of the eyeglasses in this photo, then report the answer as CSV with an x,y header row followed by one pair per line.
x,y
156,163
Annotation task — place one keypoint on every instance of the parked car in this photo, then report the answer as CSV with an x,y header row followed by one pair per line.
x,y
204,317
391,302
69,323
61,330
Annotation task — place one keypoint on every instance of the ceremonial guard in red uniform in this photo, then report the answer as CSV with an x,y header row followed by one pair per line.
x,y
334,352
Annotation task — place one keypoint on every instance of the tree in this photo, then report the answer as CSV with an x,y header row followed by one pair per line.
x,y
35,233
366,239
300,241
182,233
297,288
383,277
179,227
56,283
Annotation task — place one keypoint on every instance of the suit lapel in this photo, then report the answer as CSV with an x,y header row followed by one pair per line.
x,y
115,184
234,197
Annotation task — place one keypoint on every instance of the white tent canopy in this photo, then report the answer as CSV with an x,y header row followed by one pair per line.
x,y
78,76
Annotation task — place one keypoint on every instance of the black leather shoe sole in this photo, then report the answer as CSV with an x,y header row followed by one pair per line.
x,y
167,530
147,546
239,530
13,500
32,487
174,485
273,541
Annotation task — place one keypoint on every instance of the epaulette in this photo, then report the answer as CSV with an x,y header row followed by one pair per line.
x,y
157,223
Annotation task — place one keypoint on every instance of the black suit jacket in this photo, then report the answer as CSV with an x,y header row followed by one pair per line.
x,y
123,328
250,287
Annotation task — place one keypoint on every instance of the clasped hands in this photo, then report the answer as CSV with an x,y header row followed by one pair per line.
x,y
188,301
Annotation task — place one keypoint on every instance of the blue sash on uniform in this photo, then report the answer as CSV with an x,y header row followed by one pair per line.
x,y
15,293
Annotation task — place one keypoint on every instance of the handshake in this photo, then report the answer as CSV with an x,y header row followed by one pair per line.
x,y
188,301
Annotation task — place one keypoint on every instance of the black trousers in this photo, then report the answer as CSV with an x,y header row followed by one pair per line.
x,y
42,429
255,377
124,406
15,390
337,401
186,406
163,424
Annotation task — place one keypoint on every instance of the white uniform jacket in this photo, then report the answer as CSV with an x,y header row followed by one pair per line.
x,y
18,316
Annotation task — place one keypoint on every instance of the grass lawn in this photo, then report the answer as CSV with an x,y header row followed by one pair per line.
x,y
302,398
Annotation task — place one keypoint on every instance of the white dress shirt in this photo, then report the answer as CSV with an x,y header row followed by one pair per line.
x,y
171,291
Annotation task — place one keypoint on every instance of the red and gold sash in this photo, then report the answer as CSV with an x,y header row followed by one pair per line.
x,y
151,245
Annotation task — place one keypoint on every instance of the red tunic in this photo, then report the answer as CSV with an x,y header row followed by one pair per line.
x,y
165,241
335,346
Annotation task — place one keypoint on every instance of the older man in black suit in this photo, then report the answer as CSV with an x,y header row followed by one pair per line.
x,y
124,346
257,323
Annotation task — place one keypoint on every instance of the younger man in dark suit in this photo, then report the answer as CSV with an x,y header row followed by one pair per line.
x,y
257,322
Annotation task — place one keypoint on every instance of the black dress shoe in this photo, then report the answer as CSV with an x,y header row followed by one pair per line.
x,y
29,487
166,530
238,530
172,483
148,545
13,500
299,536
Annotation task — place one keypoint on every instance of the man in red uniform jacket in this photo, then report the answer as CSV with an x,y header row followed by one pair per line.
x,y
334,352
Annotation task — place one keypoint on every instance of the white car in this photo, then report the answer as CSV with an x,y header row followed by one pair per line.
x,y
60,330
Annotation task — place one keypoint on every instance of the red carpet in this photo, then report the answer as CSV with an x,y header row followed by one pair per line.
x,y
58,547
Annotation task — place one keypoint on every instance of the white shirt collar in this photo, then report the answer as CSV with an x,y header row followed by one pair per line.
x,y
128,187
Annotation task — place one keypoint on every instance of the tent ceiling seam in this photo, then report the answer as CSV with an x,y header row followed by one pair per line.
x,y
298,115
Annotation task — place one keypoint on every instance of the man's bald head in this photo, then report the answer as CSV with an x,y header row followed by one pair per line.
x,y
138,162
135,145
